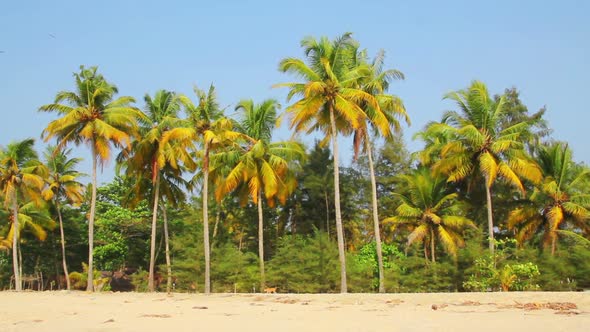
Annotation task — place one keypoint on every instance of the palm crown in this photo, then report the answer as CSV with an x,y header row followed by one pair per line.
x,y
561,197
431,212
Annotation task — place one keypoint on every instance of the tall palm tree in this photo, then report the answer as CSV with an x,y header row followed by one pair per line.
x,y
21,177
164,142
91,115
213,131
266,168
480,147
391,108
330,101
561,197
62,186
431,211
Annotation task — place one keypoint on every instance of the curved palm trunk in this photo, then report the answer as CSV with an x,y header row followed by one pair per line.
x,y
261,243
63,245
151,287
90,284
167,242
206,220
376,219
339,231
15,265
490,219
217,219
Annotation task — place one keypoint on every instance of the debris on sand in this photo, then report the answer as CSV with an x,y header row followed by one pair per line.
x,y
439,306
560,306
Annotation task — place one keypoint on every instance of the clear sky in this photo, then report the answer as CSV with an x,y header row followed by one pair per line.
x,y
541,47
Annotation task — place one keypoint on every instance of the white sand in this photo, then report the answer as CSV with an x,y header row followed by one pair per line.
x,y
79,311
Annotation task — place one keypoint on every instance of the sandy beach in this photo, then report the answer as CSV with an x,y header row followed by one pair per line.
x,y
498,312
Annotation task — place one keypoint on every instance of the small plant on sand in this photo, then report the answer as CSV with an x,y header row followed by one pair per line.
x,y
497,273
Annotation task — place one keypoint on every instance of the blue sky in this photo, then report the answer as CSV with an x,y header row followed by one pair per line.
x,y
541,47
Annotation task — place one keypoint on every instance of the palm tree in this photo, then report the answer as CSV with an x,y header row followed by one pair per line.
x,y
214,131
391,108
21,177
91,115
164,142
330,100
431,211
479,146
63,185
172,191
266,168
561,197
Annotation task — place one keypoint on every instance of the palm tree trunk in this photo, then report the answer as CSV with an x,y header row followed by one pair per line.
x,y
90,283
339,231
167,242
206,220
490,219
261,243
63,245
217,219
151,287
15,265
376,219
553,243
432,245
327,214
19,250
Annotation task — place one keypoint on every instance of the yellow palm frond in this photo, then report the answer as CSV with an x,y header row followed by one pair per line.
x,y
506,172
488,167
418,234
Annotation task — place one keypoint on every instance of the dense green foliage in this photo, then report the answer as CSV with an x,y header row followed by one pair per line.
x,y
491,203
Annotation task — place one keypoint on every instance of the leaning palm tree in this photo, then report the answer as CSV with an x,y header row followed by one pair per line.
x,y
213,131
62,186
91,115
266,168
431,212
21,178
391,109
561,198
330,101
164,142
480,147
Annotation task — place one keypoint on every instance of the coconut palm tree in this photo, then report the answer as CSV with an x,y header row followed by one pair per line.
x,y
266,168
213,131
91,115
21,178
560,198
391,109
33,218
62,186
480,147
431,212
330,101
172,191
164,142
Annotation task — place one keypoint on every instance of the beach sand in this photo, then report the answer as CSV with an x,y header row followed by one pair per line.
x,y
498,312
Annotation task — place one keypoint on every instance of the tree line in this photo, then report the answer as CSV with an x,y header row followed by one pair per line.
x,y
391,221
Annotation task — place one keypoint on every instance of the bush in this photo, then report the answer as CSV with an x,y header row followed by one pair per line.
x,y
503,271
79,280
304,264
